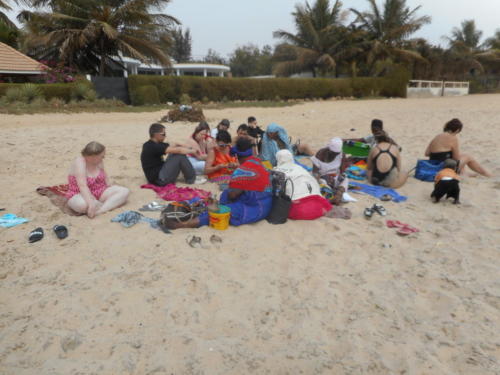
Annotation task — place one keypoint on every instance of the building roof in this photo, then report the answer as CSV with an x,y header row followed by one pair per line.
x,y
13,61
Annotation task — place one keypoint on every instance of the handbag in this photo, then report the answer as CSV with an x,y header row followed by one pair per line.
x,y
426,170
281,200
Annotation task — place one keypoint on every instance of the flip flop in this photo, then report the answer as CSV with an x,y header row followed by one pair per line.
x,y
386,198
216,240
406,230
61,231
379,209
395,224
368,212
35,235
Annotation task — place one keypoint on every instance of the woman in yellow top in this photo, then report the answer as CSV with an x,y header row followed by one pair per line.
x,y
220,165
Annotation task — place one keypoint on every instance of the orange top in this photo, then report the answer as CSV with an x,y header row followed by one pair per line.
x,y
446,172
221,158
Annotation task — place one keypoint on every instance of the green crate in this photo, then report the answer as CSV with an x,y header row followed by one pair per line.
x,y
358,149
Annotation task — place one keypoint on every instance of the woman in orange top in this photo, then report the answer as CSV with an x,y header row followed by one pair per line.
x,y
220,165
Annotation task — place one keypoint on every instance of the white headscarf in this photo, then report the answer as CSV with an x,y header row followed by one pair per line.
x,y
303,183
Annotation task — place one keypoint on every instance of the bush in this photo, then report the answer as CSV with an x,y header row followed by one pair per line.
x,y
145,95
48,91
194,114
185,99
172,88
56,103
13,94
30,91
81,91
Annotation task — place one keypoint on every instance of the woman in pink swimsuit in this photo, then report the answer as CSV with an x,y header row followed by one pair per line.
x,y
89,191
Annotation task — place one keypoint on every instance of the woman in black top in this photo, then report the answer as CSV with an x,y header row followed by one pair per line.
x,y
384,163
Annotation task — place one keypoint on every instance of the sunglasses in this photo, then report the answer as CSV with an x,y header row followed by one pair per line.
x,y
223,145
164,134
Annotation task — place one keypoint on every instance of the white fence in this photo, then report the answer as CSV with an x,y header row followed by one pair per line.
x,y
426,89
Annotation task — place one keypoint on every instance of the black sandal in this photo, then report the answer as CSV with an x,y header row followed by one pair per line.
x,y
61,231
35,235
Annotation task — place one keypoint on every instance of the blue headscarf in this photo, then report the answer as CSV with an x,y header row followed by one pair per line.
x,y
270,147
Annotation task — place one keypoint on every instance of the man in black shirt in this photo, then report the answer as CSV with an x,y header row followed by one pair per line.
x,y
162,173
255,132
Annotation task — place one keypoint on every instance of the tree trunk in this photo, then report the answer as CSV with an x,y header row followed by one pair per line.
x,y
102,65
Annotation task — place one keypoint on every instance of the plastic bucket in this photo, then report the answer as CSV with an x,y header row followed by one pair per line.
x,y
220,219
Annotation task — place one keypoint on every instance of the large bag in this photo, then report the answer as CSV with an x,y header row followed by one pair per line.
x,y
426,170
281,201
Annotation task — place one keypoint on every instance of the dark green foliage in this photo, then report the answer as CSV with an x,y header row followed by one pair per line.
x,y
216,89
147,95
63,91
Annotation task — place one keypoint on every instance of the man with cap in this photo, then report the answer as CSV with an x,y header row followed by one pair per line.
x,y
223,125
328,165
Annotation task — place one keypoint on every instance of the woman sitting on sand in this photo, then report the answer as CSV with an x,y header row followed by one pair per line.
x,y
249,195
202,143
276,138
384,163
220,164
329,164
89,191
303,189
445,146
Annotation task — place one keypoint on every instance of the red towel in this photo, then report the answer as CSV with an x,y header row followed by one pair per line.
x,y
171,192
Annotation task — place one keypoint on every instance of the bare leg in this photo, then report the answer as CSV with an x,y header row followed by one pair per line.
x,y
78,204
468,160
305,149
113,197
400,180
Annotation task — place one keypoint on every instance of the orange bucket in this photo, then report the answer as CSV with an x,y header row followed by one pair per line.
x,y
220,219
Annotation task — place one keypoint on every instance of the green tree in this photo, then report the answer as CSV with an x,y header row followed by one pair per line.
x,y
317,42
494,41
214,57
181,45
92,34
8,34
249,60
388,30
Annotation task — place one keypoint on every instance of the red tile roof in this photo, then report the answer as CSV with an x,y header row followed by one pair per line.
x,y
13,61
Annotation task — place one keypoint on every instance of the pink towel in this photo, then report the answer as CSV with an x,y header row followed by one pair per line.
x,y
171,192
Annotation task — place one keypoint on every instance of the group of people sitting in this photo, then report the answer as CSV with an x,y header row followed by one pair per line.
x,y
243,165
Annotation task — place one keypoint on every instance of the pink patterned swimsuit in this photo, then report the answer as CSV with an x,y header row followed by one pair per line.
x,y
96,185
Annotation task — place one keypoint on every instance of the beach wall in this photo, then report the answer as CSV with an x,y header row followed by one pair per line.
x,y
428,89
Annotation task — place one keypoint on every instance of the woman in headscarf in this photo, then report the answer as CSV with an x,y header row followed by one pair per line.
x,y
276,138
302,188
249,194
329,164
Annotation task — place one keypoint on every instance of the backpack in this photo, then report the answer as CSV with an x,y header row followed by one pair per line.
x,y
426,170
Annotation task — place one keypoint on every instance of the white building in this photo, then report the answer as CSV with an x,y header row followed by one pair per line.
x,y
133,66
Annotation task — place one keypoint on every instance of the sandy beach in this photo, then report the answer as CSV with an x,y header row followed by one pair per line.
x,y
330,296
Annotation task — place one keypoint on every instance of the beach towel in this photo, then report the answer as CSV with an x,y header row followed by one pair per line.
x,y
171,192
356,173
376,191
11,220
57,196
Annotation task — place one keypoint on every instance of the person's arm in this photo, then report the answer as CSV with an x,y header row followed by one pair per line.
x,y
108,183
369,165
233,194
428,150
81,180
455,151
209,167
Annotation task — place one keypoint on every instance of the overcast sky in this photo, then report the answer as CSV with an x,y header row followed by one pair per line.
x,y
224,24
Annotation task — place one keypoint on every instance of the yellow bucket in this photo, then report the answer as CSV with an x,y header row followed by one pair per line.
x,y
220,219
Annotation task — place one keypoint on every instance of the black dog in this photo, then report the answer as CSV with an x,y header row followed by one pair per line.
x,y
447,182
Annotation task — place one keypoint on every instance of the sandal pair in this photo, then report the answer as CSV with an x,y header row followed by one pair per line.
x,y
378,208
37,234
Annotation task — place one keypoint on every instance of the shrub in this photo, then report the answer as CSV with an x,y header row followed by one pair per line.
x,y
56,102
48,91
30,91
185,99
205,100
146,95
14,94
79,91
194,114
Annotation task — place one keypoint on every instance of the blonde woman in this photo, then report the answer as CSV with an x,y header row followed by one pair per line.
x,y
89,190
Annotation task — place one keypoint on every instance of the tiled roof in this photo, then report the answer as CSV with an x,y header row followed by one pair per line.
x,y
13,61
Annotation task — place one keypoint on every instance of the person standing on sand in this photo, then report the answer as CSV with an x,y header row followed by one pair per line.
x,y
89,189
445,146
157,171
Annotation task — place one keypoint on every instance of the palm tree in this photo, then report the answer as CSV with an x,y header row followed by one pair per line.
x,y
494,41
91,35
317,42
388,29
5,5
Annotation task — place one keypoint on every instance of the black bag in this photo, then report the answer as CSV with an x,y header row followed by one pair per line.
x,y
281,201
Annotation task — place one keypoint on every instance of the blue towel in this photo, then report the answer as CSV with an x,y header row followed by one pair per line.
x,y
377,191
307,168
130,218
11,220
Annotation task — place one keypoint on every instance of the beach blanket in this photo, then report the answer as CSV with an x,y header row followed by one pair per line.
x,y
376,191
57,196
11,220
356,173
171,192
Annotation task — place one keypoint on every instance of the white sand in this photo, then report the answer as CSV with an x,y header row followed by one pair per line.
x,y
323,297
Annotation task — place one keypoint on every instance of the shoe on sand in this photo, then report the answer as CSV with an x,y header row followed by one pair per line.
x,y
61,231
35,235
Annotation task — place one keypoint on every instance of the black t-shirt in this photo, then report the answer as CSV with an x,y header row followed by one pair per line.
x,y
151,159
256,132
